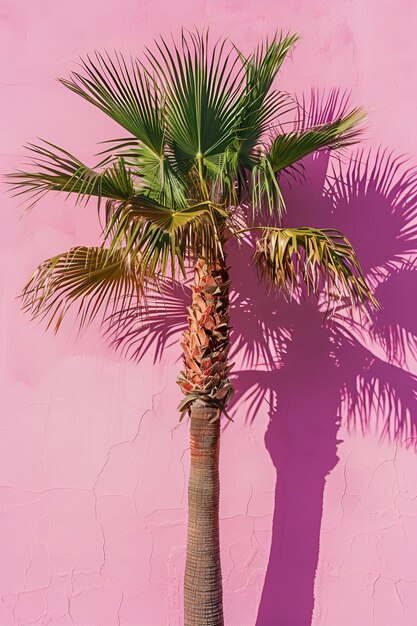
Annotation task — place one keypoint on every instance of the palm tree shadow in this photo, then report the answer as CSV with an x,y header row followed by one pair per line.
x,y
315,372
327,373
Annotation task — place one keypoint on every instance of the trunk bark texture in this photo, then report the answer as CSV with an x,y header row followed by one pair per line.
x,y
203,593
205,383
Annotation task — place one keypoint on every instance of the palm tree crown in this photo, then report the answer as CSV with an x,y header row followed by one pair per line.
x,y
199,144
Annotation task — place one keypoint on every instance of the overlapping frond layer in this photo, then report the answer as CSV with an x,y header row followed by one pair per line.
x,y
288,149
163,241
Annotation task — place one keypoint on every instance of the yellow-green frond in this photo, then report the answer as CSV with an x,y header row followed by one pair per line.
x,y
323,259
95,278
162,240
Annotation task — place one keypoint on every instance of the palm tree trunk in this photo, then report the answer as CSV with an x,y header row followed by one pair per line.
x,y
208,389
203,593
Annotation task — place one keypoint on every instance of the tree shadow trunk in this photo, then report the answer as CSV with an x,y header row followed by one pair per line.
x,y
301,439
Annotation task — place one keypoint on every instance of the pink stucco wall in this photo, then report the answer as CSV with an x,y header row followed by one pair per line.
x,y
319,496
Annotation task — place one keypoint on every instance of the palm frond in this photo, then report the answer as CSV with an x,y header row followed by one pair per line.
x,y
324,259
201,88
97,278
126,93
254,110
266,190
197,115
163,241
160,176
143,208
58,170
289,148
260,105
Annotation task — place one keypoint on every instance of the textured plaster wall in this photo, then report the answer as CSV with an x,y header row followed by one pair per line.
x,y
318,513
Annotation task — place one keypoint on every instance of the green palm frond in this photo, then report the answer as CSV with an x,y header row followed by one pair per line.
x,y
126,93
97,278
289,148
163,182
201,87
259,104
322,258
59,170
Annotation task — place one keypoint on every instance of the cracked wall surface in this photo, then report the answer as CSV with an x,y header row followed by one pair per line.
x,y
319,482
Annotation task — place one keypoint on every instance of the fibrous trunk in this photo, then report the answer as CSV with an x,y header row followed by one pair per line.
x,y
207,388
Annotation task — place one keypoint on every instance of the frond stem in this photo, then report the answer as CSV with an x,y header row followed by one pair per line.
x,y
201,176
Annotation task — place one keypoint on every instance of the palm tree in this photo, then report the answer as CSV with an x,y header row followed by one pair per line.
x,y
200,165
